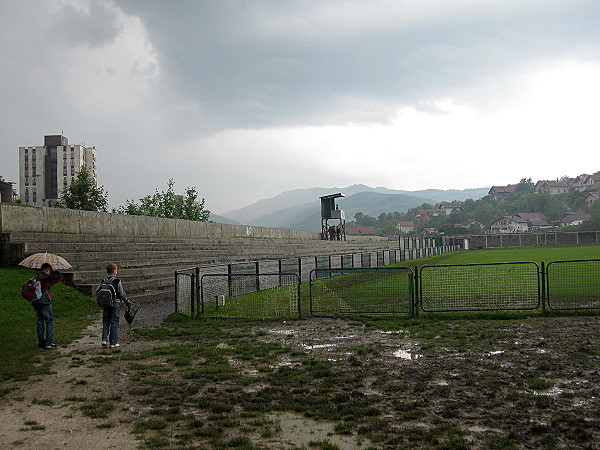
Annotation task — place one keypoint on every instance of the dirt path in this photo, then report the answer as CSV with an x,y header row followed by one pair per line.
x,y
45,412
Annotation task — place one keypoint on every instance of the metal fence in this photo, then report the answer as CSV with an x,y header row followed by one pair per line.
x,y
250,296
338,287
387,290
480,287
188,280
573,284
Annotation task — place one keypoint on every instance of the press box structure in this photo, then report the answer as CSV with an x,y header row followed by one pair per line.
x,y
330,211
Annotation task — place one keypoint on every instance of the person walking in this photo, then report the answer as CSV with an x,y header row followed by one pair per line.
x,y
111,316
44,317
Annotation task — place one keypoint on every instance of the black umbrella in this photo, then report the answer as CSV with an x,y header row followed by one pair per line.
x,y
131,311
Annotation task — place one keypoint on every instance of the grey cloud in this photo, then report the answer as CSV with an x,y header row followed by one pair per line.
x,y
94,27
217,56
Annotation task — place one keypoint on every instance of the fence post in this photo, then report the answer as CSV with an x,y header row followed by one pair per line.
x,y
176,292
193,296
543,282
416,294
257,265
229,279
197,291
201,294
299,302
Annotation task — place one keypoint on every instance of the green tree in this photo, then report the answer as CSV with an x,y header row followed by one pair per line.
x,y
83,193
168,204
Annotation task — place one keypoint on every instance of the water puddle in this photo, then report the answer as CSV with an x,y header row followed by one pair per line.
x,y
283,332
404,354
300,431
318,346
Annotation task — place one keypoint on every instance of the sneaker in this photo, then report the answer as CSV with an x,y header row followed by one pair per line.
x,y
115,346
104,344
50,347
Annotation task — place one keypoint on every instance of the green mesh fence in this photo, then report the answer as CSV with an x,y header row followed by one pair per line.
x,y
573,284
361,291
480,287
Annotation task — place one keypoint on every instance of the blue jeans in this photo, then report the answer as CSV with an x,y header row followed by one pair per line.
x,y
44,320
110,324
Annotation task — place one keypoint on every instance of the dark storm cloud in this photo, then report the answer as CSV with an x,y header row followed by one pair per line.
x,y
227,56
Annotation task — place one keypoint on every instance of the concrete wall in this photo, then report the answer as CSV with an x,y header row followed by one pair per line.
x,y
527,239
19,218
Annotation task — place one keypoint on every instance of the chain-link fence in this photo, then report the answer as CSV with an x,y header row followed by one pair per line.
x,y
335,292
573,284
185,290
352,284
479,287
252,296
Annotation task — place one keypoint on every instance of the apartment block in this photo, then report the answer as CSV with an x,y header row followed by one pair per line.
x,y
46,171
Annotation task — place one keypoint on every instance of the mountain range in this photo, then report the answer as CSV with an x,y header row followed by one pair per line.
x,y
300,209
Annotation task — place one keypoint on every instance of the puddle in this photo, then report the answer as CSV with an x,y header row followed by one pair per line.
x,y
300,431
283,332
406,354
317,346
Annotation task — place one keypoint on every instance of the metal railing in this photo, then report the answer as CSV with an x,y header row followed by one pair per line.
x,y
338,287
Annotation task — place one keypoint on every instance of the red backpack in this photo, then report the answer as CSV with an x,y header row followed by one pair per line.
x,y
30,290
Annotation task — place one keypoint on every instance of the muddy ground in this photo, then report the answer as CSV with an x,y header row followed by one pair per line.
x,y
518,383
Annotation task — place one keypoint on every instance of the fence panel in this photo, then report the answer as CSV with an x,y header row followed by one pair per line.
x,y
480,287
184,291
573,284
361,291
365,260
226,295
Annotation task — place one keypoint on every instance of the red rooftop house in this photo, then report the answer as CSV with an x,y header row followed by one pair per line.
x,y
360,230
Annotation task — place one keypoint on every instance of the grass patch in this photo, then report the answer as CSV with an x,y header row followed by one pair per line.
x,y
19,353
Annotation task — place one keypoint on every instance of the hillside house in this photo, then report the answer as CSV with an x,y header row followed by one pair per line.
x,y
448,208
586,182
575,218
406,227
471,223
362,230
509,224
499,192
429,232
536,220
424,214
552,187
591,198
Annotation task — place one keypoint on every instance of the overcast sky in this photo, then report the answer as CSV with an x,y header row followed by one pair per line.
x,y
246,99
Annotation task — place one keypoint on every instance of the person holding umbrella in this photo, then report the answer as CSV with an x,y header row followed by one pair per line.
x,y
47,277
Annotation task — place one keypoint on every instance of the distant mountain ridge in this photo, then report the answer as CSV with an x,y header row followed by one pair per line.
x,y
300,208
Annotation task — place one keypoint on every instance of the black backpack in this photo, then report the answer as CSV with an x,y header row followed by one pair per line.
x,y
106,294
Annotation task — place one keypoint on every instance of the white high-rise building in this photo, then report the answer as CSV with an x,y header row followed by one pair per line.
x,y
46,171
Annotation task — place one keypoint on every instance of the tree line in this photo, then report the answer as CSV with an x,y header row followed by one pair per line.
x,y
84,194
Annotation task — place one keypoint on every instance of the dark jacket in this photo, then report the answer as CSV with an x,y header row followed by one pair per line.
x,y
46,281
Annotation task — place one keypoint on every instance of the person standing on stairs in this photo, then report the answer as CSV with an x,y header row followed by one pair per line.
x,y
111,316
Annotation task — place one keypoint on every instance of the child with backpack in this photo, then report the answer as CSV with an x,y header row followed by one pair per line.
x,y
109,295
46,277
